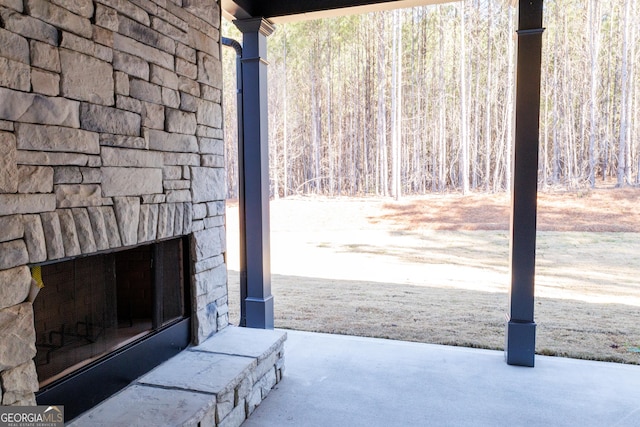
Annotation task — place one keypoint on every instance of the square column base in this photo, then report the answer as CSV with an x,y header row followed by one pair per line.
x,y
259,312
520,343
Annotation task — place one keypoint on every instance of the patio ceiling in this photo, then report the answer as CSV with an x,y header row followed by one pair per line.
x,y
280,11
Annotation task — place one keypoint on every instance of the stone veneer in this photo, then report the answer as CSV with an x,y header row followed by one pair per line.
x,y
110,136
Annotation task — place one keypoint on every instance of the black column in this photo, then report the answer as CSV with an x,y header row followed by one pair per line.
x,y
521,329
254,171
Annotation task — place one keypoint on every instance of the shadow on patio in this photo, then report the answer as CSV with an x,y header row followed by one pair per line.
x,y
334,380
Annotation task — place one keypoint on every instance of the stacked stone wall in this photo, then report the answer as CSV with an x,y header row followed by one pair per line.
x,y
110,136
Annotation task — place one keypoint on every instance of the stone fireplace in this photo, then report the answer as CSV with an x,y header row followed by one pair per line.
x,y
111,161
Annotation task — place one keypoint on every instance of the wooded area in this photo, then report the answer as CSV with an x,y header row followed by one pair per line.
x,y
421,100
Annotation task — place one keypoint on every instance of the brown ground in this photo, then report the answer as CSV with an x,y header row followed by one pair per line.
x,y
435,269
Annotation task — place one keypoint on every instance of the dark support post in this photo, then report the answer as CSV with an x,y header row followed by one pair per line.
x,y
254,169
521,329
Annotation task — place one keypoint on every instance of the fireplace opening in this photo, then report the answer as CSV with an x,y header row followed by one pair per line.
x,y
103,320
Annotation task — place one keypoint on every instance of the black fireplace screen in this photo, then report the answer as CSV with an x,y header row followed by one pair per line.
x,y
93,306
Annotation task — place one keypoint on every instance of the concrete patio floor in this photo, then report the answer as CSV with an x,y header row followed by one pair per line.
x,y
333,380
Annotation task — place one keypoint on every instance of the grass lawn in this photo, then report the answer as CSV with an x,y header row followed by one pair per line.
x,y
436,269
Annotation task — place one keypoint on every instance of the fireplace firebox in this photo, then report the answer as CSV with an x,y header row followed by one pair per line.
x,y
103,320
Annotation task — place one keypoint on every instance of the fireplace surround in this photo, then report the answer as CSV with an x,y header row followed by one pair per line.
x,y
110,140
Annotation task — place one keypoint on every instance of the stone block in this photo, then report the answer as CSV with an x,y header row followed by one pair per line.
x,y
106,17
35,179
178,223
111,225
15,75
86,78
94,161
129,104
188,103
169,30
69,234
26,203
143,224
123,141
211,146
60,17
203,42
180,122
185,52
130,181
91,175
14,253
52,235
77,44
144,91
45,83
139,405
206,243
216,208
130,64
121,81
77,195
15,284
113,156
51,158
103,37
17,336
199,210
34,238
127,211
163,141
178,196
152,116
211,94
171,172
15,5
129,9
189,159
99,228
55,138
236,417
32,108
209,132
186,69
21,380
67,175
187,218
209,70
8,166
84,230
211,283
207,184
212,161
166,219
5,125
11,228
189,86
83,8
164,77
45,56
178,184
153,198
152,223
172,18
109,120
14,47
29,27
209,114
170,97
148,53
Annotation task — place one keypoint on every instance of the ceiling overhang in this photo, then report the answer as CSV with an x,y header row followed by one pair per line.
x,y
281,11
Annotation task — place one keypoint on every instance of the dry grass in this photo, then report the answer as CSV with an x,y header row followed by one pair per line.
x,y
435,269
